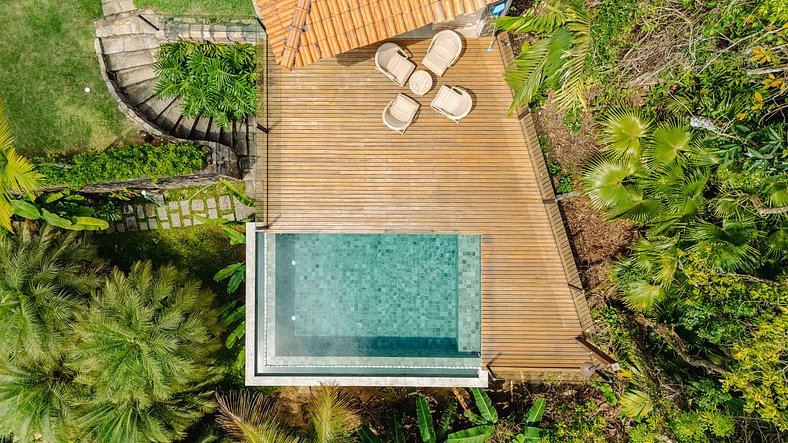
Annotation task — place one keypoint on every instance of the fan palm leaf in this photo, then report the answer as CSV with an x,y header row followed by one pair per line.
x,y
642,295
636,403
777,241
332,418
727,247
608,183
657,259
669,140
624,132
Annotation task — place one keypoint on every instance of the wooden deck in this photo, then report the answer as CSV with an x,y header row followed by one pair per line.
x,y
332,166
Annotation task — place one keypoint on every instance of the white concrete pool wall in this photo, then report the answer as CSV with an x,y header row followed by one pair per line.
x,y
252,317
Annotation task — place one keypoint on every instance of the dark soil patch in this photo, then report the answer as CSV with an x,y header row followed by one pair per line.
x,y
379,406
572,142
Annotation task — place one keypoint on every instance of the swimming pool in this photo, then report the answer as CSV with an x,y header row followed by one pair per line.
x,y
393,305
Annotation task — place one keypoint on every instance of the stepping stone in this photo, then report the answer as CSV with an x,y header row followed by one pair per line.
x,y
224,203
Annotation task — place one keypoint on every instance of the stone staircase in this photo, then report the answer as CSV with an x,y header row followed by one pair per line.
x,y
127,40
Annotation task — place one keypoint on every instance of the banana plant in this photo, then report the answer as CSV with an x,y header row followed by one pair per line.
x,y
487,415
236,272
530,423
395,431
477,434
60,209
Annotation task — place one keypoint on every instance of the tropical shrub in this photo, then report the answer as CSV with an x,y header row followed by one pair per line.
x,y
17,174
128,358
251,418
557,59
145,352
124,163
214,81
45,278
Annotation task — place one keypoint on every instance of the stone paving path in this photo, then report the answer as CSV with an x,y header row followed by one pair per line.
x,y
176,214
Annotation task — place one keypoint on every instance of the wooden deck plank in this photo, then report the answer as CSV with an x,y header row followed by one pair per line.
x,y
332,166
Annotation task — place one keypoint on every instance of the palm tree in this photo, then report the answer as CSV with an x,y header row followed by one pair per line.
x,y
556,60
36,401
17,174
146,351
250,418
45,276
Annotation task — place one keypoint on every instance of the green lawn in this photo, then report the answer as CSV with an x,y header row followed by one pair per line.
x,y
47,60
211,8
200,250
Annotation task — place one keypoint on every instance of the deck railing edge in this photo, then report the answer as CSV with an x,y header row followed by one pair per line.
x,y
548,198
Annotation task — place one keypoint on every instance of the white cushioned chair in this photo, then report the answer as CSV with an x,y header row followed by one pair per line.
x,y
393,61
444,50
453,102
400,113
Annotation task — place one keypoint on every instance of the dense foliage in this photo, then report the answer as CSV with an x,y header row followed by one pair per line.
x,y
95,357
557,60
124,163
17,174
214,81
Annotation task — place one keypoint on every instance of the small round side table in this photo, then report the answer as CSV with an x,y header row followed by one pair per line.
x,y
420,82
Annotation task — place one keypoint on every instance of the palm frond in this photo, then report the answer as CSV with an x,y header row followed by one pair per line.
x,y
251,418
625,131
538,22
668,141
332,418
607,183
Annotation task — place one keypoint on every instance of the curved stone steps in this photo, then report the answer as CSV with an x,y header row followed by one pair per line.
x,y
127,45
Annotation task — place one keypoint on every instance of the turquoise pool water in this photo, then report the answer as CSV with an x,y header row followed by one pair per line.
x,y
383,302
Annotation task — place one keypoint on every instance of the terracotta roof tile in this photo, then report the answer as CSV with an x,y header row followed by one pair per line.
x,y
301,32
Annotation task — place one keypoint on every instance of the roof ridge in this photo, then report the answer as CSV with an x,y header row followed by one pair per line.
x,y
292,42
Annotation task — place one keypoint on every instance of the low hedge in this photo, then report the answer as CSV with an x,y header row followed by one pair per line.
x,y
124,163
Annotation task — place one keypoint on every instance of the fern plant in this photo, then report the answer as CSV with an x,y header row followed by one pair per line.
x,y
214,81
557,59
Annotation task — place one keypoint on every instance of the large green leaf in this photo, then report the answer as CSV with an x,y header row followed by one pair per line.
x,y
237,194
636,404
447,418
424,417
397,433
485,406
366,435
227,271
474,418
531,434
55,220
479,434
624,131
25,209
535,413
88,224
236,237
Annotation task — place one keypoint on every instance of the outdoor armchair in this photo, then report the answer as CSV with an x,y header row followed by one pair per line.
x,y
393,61
444,50
453,102
400,113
